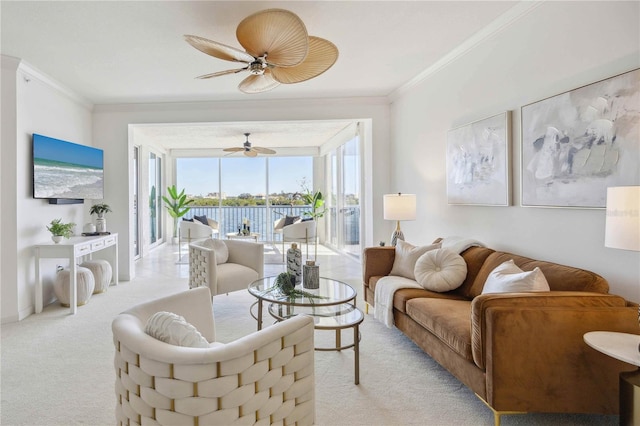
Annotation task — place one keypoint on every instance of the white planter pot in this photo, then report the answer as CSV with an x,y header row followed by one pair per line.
x,y
57,238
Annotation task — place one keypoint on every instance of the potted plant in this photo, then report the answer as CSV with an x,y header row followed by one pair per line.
x,y
177,206
60,230
316,201
100,210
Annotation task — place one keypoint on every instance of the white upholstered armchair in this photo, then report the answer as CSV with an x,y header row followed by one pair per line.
x,y
225,265
301,232
265,377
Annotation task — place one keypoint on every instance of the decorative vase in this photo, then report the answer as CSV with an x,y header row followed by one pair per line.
x,y
56,238
101,224
311,275
294,262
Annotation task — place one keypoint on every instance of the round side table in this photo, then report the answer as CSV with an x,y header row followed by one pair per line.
x,y
623,347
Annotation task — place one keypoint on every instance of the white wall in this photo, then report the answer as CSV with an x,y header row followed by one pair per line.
x,y
556,47
46,108
110,132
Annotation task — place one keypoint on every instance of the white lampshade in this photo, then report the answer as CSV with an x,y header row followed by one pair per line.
x,y
399,206
622,228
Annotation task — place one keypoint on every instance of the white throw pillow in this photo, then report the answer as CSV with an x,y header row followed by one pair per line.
x,y
220,249
440,270
175,330
509,278
406,257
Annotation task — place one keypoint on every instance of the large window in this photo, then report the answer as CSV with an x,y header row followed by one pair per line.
x,y
260,190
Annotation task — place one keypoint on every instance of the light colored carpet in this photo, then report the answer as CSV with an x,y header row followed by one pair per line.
x,y
57,369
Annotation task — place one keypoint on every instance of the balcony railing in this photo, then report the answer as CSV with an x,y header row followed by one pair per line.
x,y
261,219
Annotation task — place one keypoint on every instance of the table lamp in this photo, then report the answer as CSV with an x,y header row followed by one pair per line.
x,y
622,226
399,207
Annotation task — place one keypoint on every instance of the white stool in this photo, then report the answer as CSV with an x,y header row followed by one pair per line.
x,y
85,284
102,274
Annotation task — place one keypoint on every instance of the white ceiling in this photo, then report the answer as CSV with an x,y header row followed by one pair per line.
x,y
113,52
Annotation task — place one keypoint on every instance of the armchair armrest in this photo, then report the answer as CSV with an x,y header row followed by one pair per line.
x,y
377,262
247,253
531,347
515,301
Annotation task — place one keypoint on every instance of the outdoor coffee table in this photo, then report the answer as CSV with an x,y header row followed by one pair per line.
x,y
335,311
235,236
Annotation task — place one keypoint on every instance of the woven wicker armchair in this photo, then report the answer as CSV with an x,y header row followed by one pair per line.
x,y
244,265
266,377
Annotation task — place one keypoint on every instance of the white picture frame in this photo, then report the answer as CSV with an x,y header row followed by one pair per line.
x,y
478,162
578,143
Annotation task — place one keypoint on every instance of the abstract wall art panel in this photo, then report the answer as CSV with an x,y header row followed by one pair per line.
x,y
578,143
478,167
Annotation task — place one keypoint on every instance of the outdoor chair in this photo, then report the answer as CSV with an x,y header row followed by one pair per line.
x,y
266,377
301,232
190,231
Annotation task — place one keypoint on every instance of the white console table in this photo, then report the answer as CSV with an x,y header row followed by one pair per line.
x,y
72,249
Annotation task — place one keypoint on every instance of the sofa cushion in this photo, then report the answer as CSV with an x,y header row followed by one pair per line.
x,y
508,278
174,330
475,258
290,220
559,277
406,256
440,270
448,320
202,219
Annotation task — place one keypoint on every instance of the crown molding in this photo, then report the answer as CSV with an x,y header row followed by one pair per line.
x,y
30,71
227,105
517,12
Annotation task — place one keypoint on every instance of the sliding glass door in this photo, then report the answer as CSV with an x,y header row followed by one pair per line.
x,y
343,178
155,199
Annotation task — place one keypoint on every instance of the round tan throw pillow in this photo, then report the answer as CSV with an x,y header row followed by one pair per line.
x,y
440,270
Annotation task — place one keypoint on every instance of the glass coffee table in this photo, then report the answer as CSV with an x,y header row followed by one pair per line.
x,y
335,310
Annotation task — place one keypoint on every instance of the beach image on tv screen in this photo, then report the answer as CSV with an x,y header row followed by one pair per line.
x,y
66,170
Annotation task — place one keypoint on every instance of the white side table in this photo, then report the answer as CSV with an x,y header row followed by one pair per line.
x,y
624,347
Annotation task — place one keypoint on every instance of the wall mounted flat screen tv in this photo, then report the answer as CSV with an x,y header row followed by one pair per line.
x,y
65,170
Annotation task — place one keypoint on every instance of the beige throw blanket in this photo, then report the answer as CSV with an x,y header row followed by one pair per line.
x,y
387,286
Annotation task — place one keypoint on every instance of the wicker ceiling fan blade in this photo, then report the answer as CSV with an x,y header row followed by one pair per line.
x,y
219,73
261,150
276,32
218,50
233,149
251,153
322,55
258,83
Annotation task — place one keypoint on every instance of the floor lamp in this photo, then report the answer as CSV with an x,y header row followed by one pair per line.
x,y
622,231
399,207
622,226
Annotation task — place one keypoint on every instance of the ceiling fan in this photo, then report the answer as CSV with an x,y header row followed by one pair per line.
x,y
250,151
277,50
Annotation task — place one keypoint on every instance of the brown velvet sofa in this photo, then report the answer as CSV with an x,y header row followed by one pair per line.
x,y
519,352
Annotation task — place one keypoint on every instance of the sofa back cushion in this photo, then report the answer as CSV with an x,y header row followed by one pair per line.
x,y
475,258
559,277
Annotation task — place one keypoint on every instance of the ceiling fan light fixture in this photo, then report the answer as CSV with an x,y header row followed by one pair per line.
x,y
294,56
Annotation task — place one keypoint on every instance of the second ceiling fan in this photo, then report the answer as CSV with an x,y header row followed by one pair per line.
x,y
277,50
250,151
